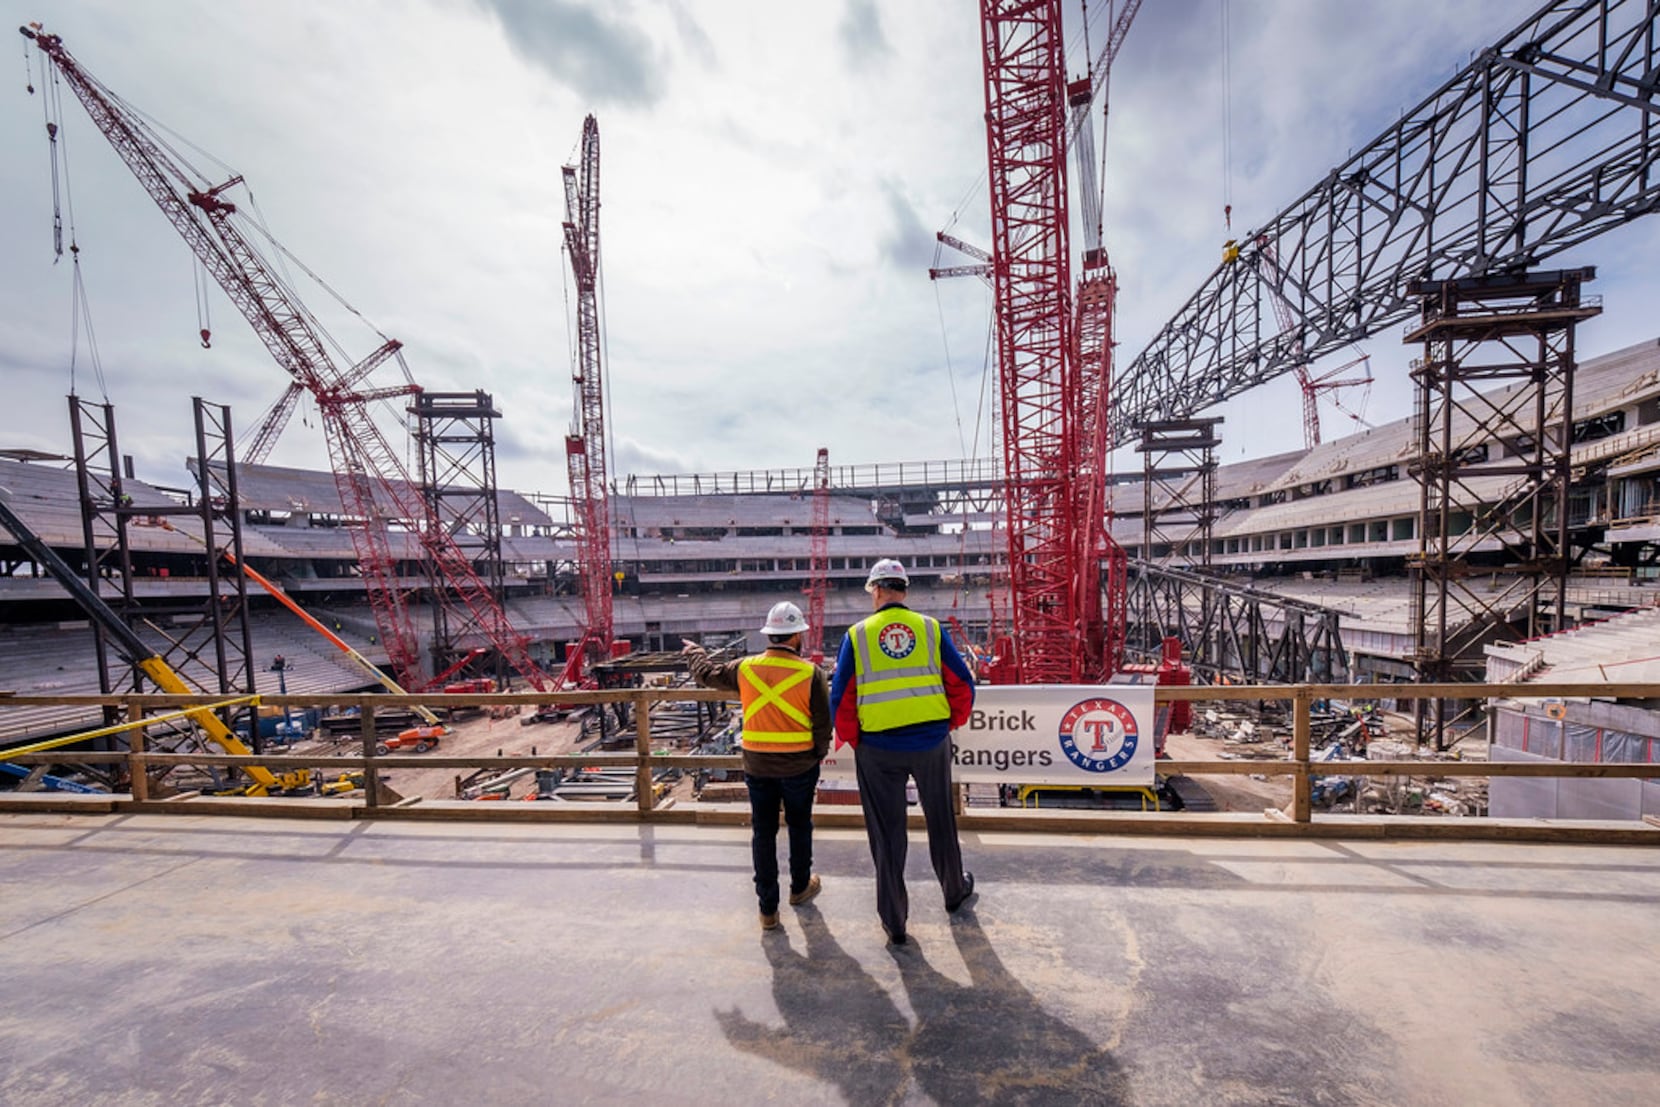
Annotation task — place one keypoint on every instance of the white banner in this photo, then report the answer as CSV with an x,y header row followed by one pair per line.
x,y
1098,735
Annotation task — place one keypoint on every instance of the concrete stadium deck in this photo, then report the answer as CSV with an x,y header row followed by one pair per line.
x,y
189,959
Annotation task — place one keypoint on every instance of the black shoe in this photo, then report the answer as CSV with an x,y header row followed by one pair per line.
x,y
968,894
895,938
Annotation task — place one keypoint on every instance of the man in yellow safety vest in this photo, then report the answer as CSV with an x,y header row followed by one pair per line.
x,y
786,733
900,688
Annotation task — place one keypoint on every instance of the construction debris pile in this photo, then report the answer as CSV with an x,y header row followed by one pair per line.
x,y
1343,733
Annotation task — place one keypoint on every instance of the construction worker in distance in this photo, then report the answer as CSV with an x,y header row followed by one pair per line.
x,y
786,733
900,689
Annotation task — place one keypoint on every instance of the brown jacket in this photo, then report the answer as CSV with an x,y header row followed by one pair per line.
x,y
724,676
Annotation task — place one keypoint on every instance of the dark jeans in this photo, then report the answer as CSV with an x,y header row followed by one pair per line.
x,y
882,778
796,794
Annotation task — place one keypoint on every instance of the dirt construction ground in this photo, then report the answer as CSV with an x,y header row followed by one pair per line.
x,y
1231,793
477,736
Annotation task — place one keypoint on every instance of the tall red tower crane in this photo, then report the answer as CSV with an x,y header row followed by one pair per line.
x,y
585,445
375,489
818,582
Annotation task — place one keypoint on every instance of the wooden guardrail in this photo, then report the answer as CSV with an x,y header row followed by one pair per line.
x,y
1296,765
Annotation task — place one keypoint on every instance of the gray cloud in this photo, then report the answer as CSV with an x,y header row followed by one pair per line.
x,y
601,57
692,36
909,244
860,33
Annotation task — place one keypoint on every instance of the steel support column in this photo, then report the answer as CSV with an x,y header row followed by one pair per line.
x,y
1494,427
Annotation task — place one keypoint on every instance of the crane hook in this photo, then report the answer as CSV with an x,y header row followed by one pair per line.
x,y
207,339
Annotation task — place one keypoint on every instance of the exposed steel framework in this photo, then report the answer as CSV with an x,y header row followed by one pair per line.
x,y
375,491
585,445
818,583
1232,632
1545,140
204,638
1313,384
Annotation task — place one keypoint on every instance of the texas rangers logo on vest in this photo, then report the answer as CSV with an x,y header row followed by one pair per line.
x,y
1098,735
897,640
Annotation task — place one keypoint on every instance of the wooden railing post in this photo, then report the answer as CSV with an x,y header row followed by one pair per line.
x,y
137,771
371,771
642,751
1302,785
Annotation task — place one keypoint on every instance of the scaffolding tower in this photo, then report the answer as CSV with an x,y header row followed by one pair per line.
x,y
456,445
1492,466
1178,490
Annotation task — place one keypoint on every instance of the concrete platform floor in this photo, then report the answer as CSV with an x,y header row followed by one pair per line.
x,y
183,960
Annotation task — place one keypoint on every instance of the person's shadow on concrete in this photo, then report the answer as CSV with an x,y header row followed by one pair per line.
x,y
840,1024
989,1041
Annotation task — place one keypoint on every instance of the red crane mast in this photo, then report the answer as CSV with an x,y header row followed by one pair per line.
x,y
1031,280
374,487
585,445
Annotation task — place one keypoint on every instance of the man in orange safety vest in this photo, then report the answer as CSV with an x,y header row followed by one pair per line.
x,y
786,733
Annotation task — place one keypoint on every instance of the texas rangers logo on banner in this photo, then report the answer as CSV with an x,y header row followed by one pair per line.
x,y
1099,735
897,640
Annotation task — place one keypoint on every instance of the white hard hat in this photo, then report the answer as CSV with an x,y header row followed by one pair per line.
x,y
784,619
886,569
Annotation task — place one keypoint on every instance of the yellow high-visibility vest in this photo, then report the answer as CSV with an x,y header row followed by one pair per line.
x,y
897,674
777,695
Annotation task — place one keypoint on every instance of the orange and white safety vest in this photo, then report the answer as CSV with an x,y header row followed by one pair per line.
x,y
777,694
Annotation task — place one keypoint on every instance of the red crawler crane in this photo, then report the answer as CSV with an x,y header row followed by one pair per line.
x,y
585,445
374,487
818,583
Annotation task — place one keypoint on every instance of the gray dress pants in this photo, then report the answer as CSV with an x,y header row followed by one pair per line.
x,y
882,778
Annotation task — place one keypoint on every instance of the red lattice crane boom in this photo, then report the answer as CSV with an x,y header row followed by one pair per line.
x,y
585,445
375,490
818,582
1102,627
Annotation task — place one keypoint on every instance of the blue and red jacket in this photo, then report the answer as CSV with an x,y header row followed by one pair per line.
x,y
844,702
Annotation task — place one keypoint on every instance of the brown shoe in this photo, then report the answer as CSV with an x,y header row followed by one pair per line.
x,y
812,889
769,922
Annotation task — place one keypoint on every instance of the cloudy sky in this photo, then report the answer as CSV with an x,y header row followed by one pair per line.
x,y
773,174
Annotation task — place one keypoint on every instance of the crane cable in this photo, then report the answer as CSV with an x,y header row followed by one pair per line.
x,y
50,109
80,307
1227,120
